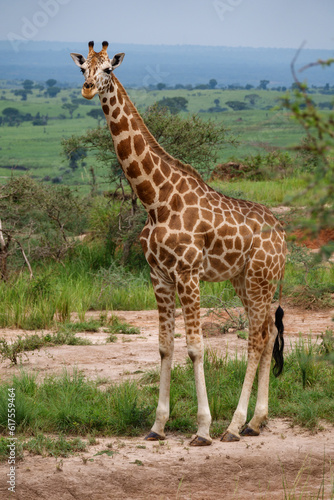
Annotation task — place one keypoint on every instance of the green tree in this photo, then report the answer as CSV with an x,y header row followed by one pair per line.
x,y
97,114
190,139
237,105
76,156
12,116
51,89
36,222
263,84
51,82
213,83
28,84
27,89
70,107
173,104
252,98
23,93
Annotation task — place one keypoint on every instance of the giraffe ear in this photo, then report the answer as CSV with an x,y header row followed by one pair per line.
x,y
117,60
78,59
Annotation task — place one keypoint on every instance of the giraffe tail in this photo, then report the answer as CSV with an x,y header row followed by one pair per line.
x,y
279,343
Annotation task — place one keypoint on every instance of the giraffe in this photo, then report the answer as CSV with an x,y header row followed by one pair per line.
x,y
194,233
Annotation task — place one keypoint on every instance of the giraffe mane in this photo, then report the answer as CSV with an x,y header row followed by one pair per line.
x,y
153,143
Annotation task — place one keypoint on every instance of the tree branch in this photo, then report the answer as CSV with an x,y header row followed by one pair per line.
x,y
2,240
25,257
293,62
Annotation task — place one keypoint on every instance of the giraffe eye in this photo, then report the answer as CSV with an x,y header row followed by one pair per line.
x,y
82,71
108,71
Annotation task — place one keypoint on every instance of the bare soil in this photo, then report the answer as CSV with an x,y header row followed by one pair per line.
x,y
252,468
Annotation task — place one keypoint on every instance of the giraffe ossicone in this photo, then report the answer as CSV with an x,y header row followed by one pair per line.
x,y
193,233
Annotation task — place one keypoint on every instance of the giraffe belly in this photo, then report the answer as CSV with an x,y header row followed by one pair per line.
x,y
224,267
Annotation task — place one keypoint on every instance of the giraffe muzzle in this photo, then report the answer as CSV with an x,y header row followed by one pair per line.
x,y
89,89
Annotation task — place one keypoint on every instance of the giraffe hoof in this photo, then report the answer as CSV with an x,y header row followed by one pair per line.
x,y
228,437
248,431
199,441
153,436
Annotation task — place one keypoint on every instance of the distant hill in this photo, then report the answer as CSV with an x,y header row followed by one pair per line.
x,y
150,64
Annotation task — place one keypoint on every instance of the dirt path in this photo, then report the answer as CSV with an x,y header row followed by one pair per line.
x,y
251,468
131,353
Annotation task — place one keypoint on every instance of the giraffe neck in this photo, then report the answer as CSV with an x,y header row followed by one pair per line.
x,y
145,163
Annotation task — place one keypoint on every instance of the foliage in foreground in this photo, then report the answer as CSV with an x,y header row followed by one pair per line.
x,y
319,146
71,404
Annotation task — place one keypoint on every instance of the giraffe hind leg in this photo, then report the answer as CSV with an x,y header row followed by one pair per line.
x,y
262,334
261,408
274,349
259,355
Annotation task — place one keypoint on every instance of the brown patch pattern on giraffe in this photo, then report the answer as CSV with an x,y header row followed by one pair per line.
x,y
193,232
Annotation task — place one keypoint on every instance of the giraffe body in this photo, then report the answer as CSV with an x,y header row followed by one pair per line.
x,y
193,233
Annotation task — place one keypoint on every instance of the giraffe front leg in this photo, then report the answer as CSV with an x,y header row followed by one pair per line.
x,y
188,291
165,296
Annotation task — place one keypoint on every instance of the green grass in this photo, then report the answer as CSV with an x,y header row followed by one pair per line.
x,y
4,443
39,148
72,404
43,445
117,326
271,193
88,280
54,447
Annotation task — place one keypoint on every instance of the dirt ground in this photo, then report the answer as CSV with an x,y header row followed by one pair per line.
x,y
255,467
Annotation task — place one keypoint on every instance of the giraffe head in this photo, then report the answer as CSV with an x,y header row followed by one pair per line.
x,y
97,69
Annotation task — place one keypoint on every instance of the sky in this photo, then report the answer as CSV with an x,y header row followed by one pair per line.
x,y
234,23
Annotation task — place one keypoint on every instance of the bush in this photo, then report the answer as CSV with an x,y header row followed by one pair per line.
x,y
260,167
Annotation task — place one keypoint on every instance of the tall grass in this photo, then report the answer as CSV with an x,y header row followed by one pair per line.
x,y
89,279
71,404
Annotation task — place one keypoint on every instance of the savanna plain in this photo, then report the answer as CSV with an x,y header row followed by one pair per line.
x,y
78,320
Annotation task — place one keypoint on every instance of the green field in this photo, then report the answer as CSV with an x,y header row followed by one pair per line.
x,y
38,148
